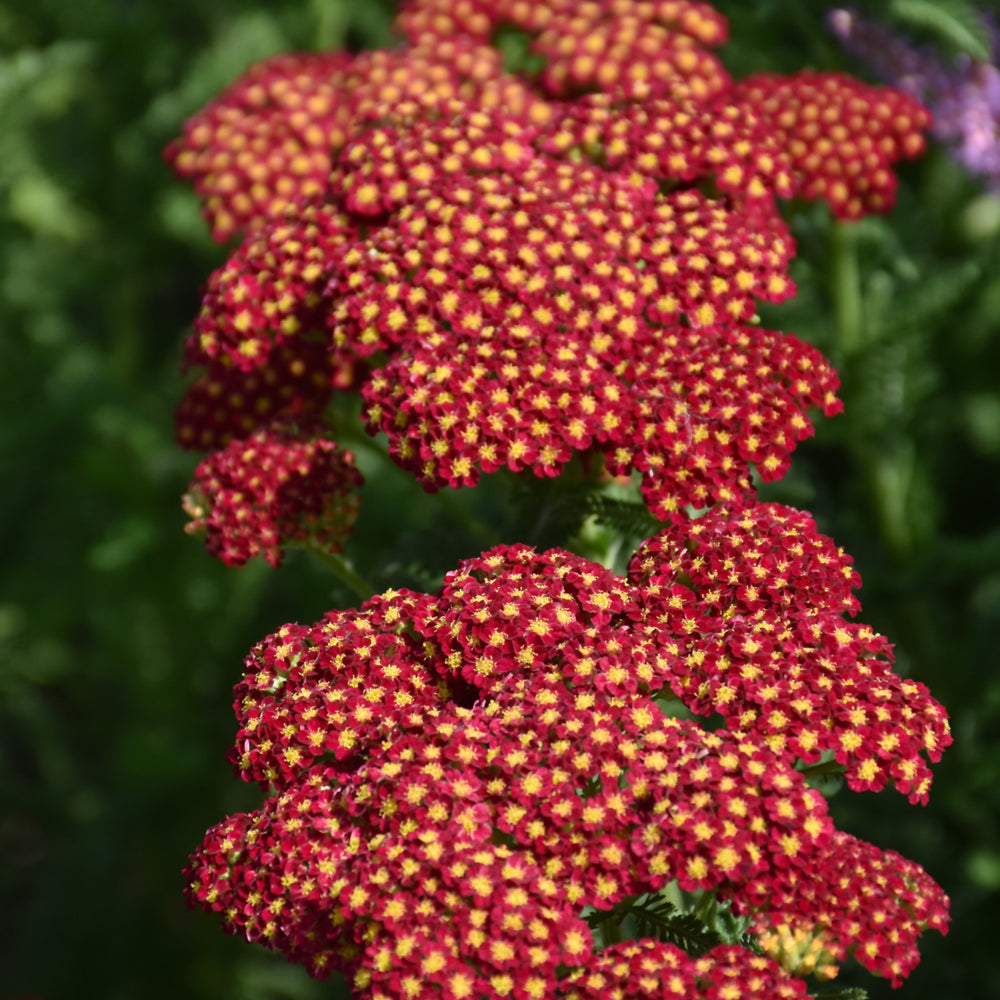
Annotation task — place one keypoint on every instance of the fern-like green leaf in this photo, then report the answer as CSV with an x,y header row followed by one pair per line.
x,y
847,993
923,303
657,918
627,517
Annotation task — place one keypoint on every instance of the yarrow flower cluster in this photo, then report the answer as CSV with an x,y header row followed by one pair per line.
x,y
518,268
535,231
637,49
782,661
456,778
262,492
963,95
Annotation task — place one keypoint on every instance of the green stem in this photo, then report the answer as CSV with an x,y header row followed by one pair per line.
x,y
343,572
609,925
890,477
123,310
846,280
331,24
848,993
476,526
353,437
611,932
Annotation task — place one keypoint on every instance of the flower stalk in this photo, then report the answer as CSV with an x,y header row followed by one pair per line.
x,y
847,296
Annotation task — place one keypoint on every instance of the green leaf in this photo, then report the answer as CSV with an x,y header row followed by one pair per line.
x,y
514,45
659,919
928,300
44,82
46,209
845,993
957,23
625,516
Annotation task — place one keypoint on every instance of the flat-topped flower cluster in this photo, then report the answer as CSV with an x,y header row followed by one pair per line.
x,y
515,260
515,269
455,777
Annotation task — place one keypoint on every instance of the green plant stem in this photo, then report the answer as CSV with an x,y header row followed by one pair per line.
x,y
476,526
848,993
609,925
611,932
331,22
343,572
846,281
890,477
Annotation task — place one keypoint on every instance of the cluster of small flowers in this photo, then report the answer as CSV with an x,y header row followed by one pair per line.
x,y
825,124
963,95
264,146
294,385
853,870
514,268
771,651
455,777
642,970
635,48
260,493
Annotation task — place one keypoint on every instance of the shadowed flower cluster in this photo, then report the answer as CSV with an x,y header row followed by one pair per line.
x,y
520,264
458,779
260,493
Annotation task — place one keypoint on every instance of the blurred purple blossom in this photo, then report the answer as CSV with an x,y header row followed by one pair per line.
x,y
963,94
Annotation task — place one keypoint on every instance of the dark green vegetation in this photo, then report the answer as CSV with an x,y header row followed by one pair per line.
x,y
120,638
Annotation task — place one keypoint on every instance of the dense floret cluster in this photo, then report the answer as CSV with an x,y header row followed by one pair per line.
x,y
633,48
261,493
637,970
519,266
842,135
764,601
537,230
264,146
226,402
457,778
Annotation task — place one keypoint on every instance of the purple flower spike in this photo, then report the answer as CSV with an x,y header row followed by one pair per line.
x,y
963,95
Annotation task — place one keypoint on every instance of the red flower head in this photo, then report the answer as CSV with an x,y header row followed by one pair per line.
x,y
225,402
262,492
626,47
265,143
859,899
763,604
843,136
457,777
540,273
637,970
531,303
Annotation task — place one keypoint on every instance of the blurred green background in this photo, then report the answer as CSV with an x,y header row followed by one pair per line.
x,y
120,638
